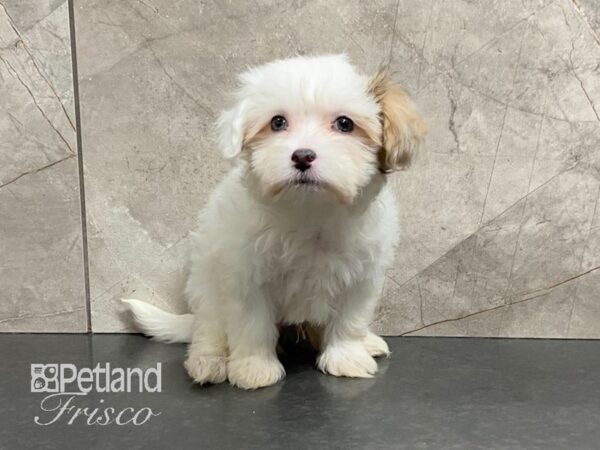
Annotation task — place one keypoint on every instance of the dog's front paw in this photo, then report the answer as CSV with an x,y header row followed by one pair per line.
x,y
207,369
347,360
375,345
253,372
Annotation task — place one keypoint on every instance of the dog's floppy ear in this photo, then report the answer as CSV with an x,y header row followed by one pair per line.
x,y
230,128
403,126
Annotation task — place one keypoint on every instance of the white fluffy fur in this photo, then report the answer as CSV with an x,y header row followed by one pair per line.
x,y
161,325
268,251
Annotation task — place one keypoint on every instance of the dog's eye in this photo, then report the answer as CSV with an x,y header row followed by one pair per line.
x,y
278,123
343,124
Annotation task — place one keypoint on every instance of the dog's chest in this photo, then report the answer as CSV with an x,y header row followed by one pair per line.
x,y
319,244
315,250
312,269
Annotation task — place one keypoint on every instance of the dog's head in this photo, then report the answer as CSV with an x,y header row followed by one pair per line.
x,y
315,124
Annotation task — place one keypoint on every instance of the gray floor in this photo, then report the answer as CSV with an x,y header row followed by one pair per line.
x,y
432,393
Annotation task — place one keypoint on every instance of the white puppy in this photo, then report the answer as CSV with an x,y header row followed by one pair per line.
x,y
301,230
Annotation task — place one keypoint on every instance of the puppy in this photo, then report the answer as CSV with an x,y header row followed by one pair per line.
x,y
301,230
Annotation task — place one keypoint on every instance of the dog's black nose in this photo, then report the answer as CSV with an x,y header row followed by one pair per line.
x,y
303,157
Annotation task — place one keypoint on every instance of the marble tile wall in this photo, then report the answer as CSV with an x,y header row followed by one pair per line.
x,y
501,224
41,263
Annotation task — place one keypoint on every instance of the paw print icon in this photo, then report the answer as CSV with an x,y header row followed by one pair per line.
x,y
44,378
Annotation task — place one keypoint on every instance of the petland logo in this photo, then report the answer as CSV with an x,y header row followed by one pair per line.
x,y
64,383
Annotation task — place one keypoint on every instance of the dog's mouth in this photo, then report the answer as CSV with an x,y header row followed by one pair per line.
x,y
305,181
308,183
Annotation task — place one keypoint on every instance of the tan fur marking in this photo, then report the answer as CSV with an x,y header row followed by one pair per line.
x,y
403,126
255,135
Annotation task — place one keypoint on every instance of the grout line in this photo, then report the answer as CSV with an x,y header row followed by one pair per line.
x,y
86,270
393,39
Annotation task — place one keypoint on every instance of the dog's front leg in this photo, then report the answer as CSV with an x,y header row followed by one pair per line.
x,y
252,336
344,350
207,353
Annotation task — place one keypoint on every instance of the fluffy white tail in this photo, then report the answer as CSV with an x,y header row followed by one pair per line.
x,y
161,325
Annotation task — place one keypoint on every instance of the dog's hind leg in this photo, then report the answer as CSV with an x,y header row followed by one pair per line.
x,y
375,345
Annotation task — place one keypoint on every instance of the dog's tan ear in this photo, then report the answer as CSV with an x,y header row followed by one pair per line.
x,y
403,126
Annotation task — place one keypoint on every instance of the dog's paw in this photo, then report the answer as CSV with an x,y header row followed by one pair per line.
x,y
207,369
376,346
347,360
253,372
